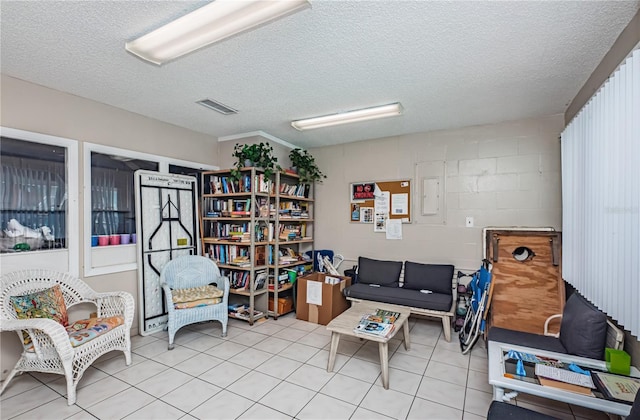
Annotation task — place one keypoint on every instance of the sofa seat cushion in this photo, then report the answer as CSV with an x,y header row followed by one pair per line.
x,y
520,338
384,273
400,296
435,277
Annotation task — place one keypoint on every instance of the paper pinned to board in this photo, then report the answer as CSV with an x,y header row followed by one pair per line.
x,y
314,293
394,229
399,204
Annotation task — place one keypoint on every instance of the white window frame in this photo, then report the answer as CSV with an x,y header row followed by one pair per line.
x,y
64,259
121,257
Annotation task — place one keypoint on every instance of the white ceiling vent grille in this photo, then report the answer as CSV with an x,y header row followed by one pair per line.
x,y
217,106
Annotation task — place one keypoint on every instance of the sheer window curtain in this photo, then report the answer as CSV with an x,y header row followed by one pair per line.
x,y
601,197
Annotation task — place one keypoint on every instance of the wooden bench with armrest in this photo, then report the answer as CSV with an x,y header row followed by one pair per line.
x,y
424,289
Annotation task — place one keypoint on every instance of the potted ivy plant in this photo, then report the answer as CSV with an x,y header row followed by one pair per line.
x,y
257,154
306,166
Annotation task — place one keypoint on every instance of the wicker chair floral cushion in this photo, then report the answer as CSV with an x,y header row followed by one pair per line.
x,y
196,293
51,350
86,330
48,303
197,303
188,282
80,332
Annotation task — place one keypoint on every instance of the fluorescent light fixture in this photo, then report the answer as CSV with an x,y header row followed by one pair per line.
x,y
214,22
383,111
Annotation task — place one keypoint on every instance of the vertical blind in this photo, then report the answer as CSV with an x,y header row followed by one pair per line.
x,y
601,197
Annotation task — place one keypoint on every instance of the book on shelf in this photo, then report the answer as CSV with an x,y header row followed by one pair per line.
x,y
260,280
215,186
241,261
261,255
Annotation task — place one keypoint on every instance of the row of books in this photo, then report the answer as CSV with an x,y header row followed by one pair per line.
x,y
380,323
292,232
296,190
228,231
242,311
238,255
234,254
228,207
241,280
227,185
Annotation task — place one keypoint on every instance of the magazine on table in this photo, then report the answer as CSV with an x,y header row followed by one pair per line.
x,y
379,329
380,323
384,316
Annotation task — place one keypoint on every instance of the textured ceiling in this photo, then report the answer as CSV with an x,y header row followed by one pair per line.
x,y
450,64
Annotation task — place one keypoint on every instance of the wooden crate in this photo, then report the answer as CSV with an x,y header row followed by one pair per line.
x,y
525,292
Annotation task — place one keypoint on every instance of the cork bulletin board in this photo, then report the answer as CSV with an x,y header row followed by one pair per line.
x,y
397,194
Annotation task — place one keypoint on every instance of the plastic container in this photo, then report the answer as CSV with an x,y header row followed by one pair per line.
x,y
125,238
103,240
293,275
618,361
114,239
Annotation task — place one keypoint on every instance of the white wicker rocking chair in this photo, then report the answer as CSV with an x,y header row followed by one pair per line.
x,y
52,351
187,272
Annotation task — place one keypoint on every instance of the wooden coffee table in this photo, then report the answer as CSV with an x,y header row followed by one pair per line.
x,y
344,324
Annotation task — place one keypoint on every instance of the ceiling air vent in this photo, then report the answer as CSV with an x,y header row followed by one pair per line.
x,y
217,106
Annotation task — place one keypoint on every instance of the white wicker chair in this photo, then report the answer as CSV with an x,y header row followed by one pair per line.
x,y
52,351
193,271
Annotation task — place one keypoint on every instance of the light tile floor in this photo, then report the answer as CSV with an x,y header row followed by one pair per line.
x,y
274,370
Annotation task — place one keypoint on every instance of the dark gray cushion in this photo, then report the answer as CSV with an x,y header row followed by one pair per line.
x,y
384,273
400,296
435,277
583,330
520,338
500,410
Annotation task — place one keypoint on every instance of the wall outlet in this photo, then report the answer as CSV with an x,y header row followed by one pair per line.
x,y
468,221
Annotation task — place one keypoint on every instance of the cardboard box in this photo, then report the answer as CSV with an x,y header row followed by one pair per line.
x,y
285,304
318,301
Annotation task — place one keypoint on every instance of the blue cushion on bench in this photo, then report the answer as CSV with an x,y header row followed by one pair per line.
x,y
384,273
435,277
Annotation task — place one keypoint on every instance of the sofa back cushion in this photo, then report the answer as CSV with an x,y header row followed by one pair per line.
x,y
434,277
384,273
583,330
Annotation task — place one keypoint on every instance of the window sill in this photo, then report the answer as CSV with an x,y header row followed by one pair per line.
x,y
112,259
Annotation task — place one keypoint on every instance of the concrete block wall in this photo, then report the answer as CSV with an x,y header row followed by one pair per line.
x,y
504,174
